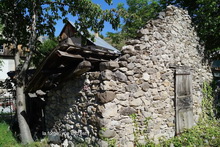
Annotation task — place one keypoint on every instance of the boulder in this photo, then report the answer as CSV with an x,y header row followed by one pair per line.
x,y
128,49
120,76
136,102
105,97
127,111
108,65
54,138
132,88
106,74
107,133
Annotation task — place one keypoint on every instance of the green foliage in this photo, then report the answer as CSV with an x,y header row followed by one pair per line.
x,y
111,141
20,27
137,14
134,18
208,20
204,134
1,38
12,12
8,140
137,132
1,29
207,102
42,143
89,15
140,131
207,131
25,20
210,101
205,15
43,50
6,136
116,39
47,46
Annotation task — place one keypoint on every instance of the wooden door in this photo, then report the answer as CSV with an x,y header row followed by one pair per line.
x,y
183,100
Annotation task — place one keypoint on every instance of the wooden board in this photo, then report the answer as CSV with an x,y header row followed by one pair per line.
x,y
68,31
183,100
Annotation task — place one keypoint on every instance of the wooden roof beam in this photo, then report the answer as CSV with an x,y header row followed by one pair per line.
x,y
65,54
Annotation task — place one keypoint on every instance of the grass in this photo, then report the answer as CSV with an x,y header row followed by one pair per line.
x,y
8,140
6,137
204,134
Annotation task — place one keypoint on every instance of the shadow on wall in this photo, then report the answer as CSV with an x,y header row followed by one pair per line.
x,y
72,111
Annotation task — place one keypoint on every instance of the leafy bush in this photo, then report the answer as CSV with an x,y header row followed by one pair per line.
x,y
204,134
207,131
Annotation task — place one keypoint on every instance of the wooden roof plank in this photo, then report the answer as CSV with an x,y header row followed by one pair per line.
x,y
70,54
65,54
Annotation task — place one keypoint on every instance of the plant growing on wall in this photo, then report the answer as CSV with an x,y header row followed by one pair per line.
x,y
210,102
207,103
140,131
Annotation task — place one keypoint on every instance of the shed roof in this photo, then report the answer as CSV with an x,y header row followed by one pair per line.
x,y
70,60
97,40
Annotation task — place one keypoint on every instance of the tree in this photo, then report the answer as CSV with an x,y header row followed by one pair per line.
x,y
43,50
26,20
1,38
1,29
204,13
134,18
137,14
205,16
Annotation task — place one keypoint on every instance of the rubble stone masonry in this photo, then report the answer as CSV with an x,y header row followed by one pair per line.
x,y
98,105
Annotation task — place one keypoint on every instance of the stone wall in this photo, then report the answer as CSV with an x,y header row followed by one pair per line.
x,y
72,112
140,81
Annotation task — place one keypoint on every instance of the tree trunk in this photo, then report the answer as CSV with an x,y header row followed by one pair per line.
x,y
25,132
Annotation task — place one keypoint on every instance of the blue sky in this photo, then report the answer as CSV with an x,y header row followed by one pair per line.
x,y
104,5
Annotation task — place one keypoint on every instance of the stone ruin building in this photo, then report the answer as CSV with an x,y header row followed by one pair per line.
x,y
159,76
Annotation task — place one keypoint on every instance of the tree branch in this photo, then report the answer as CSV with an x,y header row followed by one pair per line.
x,y
59,3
